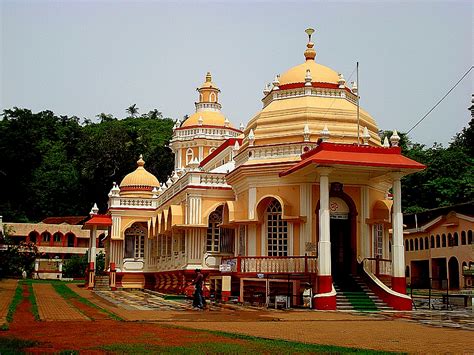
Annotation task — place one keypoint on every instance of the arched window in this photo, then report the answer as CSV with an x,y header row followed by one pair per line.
x,y
416,243
469,237
57,237
443,240
437,241
33,237
450,240
189,155
411,245
427,244
277,230
432,242
135,241
212,97
463,237
213,230
421,244
406,245
70,240
455,239
101,240
46,237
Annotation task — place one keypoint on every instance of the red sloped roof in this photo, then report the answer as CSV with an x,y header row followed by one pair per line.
x,y
73,220
227,143
347,154
99,220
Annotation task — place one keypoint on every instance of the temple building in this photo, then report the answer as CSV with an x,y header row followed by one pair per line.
x,y
300,196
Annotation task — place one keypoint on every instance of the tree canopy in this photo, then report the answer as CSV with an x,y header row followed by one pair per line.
x,y
53,166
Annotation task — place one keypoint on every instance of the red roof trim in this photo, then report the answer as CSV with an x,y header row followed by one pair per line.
x,y
314,85
208,126
227,143
347,154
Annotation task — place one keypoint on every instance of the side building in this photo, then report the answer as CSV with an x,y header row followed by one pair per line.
x,y
439,248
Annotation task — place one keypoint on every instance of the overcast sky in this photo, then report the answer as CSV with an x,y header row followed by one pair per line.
x,y
87,57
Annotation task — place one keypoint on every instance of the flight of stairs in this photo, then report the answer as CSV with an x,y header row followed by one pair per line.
x,y
353,294
102,283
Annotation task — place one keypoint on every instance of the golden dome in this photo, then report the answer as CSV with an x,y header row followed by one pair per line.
x,y
319,74
209,118
140,177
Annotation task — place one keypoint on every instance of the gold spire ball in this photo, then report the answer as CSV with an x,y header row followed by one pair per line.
x,y
309,53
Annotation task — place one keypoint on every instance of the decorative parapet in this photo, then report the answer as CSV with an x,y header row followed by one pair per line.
x,y
305,91
274,151
204,132
193,179
134,203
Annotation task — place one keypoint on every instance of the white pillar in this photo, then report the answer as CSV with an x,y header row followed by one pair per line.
x,y
92,248
365,239
398,254
324,244
305,210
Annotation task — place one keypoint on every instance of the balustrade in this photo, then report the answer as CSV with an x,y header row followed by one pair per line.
x,y
378,266
269,264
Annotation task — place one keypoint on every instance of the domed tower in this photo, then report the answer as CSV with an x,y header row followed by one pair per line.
x,y
202,132
310,102
139,183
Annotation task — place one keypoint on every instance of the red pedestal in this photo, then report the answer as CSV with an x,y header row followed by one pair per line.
x,y
225,296
399,284
325,287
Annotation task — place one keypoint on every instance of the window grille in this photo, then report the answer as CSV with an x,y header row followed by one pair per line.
x,y
378,240
277,231
213,230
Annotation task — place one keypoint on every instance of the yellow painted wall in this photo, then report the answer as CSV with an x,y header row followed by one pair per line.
x,y
291,195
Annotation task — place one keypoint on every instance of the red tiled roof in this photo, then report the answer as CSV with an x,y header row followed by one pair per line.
x,y
227,143
100,220
73,220
347,154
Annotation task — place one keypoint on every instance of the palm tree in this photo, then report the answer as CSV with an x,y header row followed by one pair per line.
x,y
154,114
132,110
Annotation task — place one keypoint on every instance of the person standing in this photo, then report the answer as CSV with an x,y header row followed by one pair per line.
x,y
198,301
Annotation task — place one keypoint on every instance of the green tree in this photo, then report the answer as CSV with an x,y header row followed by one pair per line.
x,y
132,110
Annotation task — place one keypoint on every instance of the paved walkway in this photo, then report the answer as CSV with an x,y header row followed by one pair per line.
x,y
7,290
51,306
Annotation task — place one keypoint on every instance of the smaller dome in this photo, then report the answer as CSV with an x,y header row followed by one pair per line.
x,y
140,178
209,118
208,83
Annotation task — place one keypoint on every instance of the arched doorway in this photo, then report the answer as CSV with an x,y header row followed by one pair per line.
x,y
453,270
340,228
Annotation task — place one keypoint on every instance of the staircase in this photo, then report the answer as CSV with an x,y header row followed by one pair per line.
x,y
102,283
353,294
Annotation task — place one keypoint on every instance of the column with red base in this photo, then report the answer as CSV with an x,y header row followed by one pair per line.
x,y
90,276
225,291
112,277
325,297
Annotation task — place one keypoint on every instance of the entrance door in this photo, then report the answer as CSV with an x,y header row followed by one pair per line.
x,y
340,247
453,267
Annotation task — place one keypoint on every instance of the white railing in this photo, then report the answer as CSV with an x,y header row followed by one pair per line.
x,y
274,151
269,264
192,178
138,203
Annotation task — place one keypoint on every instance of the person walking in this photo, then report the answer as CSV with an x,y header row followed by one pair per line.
x,y
198,301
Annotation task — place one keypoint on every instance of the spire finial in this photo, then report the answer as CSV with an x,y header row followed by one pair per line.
x,y
140,161
208,77
309,53
309,31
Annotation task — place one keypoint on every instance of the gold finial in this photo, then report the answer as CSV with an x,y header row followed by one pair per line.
x,y
140,161
208,77
309,53
309,31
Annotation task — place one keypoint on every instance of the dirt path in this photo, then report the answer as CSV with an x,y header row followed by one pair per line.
x,y
7,290
51,306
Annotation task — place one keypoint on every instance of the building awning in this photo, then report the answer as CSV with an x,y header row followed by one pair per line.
x,y
329,154
101,221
